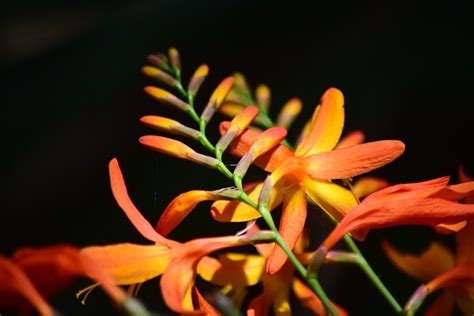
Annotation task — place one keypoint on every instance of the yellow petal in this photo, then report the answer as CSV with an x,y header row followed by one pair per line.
x,y
327,128
130,263
367,185
435,260
332,198
236,269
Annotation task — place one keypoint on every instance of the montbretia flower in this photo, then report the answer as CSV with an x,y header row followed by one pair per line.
x,y
129,264
235,272
34,273
309,171
439,268
429,203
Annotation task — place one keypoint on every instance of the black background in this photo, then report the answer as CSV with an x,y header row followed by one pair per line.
x,y
74,94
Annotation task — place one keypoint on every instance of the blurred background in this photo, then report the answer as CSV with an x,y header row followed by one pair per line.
x,y
70,72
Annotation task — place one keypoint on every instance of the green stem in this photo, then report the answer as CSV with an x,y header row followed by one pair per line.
x,y
365,266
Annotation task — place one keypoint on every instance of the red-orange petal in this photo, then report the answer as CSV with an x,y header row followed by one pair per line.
x,y
120,193
353,161
292,223
178,279
180,207
16,286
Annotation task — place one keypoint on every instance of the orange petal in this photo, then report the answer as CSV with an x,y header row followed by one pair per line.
x,y
401,211
180,207
178,279
292,223
368,185
442,305
129,263
460,277
309,300
289,112
351,139
120,193
436,259
353,161
260,305
15,286
327,128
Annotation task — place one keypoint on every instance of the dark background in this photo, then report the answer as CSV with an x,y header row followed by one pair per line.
x,y
70,72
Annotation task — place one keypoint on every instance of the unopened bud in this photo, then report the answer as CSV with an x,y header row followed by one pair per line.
x,y
159,75
266,193
263,96
416,299
316,262
197,79
243,165
159,60
168,125
289,112
166,97
175,59
203,160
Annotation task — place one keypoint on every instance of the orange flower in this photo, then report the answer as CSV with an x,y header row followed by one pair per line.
x,y
309,171
430,203
234,272
49,270
443,269
129,264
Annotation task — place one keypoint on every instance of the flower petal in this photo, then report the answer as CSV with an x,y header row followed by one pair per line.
x,y
180,207
120,193
442,305
166,146
204,305
292,223
335,200
15,285
178,279
465,244
239,270
326,129
129,263
352,161
436,259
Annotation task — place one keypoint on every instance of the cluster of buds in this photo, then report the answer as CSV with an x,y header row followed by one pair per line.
x,y
318,169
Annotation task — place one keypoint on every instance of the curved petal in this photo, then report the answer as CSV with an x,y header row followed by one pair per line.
x,y
442,305
352,161
129,263
327,127
120,193
460,277
178,279
465,244
180,207
204,305
436,259
292,223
